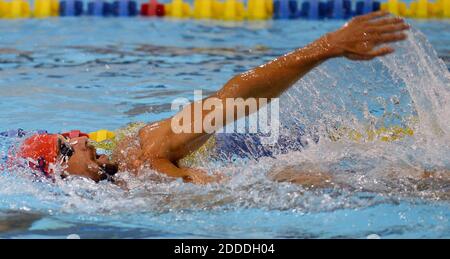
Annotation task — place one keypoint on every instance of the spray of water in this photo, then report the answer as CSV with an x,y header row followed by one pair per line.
x,y
409,89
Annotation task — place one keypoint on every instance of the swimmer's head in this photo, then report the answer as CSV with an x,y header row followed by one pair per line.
x,y
74,152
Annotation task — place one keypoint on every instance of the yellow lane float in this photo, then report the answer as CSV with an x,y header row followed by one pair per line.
x,y
20,9
101,135
441,8
233,10
4,8
178,9
207,9
259,9
421,9
46,8
15,9
395,7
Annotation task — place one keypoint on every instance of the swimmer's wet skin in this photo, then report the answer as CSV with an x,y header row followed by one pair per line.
x,y
161,149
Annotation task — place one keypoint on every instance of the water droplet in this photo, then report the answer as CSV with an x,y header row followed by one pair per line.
x,y
73,236
373,236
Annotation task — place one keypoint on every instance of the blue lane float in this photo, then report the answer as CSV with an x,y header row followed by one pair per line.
x,y
99,8
366,6
279,9
310,9
124,8
339,9
71,8
335,9
314,9
285,9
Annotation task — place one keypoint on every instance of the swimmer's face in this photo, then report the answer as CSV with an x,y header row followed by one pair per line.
x,y
85,161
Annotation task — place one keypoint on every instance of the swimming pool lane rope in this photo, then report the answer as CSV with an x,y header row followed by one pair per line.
x,y
230,10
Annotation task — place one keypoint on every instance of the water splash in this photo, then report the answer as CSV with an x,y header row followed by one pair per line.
x,y
428,83
408,89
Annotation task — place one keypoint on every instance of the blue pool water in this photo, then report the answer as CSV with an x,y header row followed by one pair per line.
x,y
87,73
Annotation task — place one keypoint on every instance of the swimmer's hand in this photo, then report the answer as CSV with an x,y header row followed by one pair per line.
x,y
198,176
189,175
305,175
359,38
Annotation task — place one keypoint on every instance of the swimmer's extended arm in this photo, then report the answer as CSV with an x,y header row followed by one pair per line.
x,y
356,40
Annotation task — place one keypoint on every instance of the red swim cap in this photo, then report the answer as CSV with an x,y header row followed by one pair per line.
x,y
41,152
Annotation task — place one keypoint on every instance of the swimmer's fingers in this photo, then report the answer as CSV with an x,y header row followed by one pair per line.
x,y
358,39
198,176
389,37
389,28
387,21
371,54
383,51
370,16
220,178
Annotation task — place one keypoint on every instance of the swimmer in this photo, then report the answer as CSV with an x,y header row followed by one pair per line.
x,y
158,147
